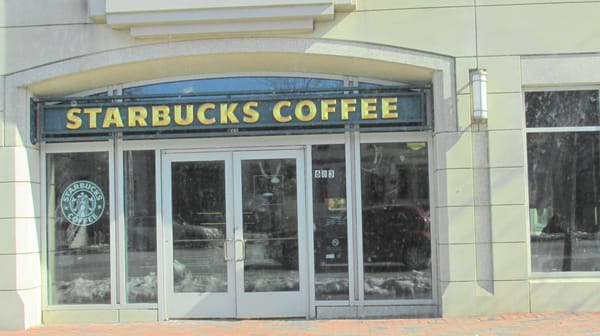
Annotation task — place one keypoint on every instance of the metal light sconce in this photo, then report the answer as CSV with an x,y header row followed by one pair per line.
x,y
479,103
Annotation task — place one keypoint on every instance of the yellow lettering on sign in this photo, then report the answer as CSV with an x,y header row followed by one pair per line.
x,y
277,111
137,115
231,112
348,106
92,113
368,108
251,115
301,107
112,117
189,115
161,115
228,114
201,114
389,107
327,106
73,120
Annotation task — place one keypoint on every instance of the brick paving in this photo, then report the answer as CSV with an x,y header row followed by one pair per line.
x,y
549,324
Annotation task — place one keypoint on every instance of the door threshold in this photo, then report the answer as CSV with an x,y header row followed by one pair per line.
x,y
237,319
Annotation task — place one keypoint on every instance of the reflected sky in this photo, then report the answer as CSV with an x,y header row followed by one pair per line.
x,y
233,84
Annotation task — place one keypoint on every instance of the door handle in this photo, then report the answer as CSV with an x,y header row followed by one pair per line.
x,y
225,256
243,254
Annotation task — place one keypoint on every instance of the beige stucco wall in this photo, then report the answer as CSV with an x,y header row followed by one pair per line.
x,y
53,48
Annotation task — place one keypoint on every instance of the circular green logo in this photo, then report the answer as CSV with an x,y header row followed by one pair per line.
x,y
82,203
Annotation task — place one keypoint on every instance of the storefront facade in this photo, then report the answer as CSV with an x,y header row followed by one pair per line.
x,y
297,159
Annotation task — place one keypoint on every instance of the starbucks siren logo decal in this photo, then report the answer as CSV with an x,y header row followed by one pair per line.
x,y
82,203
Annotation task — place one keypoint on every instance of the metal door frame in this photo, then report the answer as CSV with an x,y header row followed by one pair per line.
x,y
232,159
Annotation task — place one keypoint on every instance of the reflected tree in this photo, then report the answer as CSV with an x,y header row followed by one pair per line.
x,y
563,165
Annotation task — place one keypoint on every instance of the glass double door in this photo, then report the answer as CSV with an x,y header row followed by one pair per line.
x,y
234,234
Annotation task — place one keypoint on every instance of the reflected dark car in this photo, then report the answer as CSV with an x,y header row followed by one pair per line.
x,y
393,236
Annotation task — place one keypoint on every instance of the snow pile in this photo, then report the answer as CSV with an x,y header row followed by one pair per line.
x,y
331,287
410,285
198,284
142,289
83,291
274,284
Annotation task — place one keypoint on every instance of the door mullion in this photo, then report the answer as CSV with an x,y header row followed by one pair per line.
x,y
238,218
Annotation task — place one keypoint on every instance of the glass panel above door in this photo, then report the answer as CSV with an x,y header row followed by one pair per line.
x,y
234,84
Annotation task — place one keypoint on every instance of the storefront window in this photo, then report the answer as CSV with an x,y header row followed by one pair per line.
x,y
140,226
330,222
387,256
395,221
78,228
564,180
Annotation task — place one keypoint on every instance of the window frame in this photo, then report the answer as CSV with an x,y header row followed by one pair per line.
x,y
46,149
372,137
541,130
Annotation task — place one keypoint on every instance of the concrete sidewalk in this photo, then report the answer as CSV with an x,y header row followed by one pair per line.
x,y
505,325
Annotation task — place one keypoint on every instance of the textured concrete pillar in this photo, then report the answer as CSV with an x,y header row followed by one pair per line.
x,y
20,279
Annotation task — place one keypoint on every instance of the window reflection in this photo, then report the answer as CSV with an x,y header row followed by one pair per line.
x,y
330,222
564,194
199,219
395,221
270,225
563,169
140,226
78,242
562,108
234,84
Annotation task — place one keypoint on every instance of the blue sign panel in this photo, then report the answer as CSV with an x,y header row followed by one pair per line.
x,y
128,115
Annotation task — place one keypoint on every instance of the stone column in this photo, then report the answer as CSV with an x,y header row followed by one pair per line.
x,y
20,278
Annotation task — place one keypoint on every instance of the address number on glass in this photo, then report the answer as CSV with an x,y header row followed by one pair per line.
x,y
325,173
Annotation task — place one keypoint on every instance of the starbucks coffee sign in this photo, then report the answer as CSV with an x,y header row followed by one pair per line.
x,y
82,203
246,113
